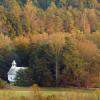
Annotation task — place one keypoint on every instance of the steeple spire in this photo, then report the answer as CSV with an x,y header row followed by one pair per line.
x,y
14,63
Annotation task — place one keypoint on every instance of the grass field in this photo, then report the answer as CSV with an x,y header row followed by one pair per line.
x,y
61,93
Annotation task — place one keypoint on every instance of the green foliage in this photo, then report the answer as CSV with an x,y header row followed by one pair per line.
x,y
39,61
15,24
22,2
75,69
44,3
90,3
2,84
24,77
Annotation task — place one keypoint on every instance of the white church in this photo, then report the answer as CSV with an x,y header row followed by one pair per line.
x,y
13,71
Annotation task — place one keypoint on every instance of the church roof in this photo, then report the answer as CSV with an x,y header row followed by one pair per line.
x,y
14,70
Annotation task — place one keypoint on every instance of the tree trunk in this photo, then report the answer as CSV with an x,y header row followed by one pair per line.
x,y
56,71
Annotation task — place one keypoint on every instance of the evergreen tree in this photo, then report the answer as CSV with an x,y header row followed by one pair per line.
x,y
44,3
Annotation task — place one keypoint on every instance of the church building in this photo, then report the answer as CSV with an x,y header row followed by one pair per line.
x,y
13,71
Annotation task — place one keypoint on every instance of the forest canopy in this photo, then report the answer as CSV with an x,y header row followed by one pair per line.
x,y
48,16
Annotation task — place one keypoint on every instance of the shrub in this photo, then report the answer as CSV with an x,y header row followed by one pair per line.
x,y
24,77
35,88
2,84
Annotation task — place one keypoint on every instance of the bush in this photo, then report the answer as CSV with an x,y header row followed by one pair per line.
x,y
35,88
24,77
2,84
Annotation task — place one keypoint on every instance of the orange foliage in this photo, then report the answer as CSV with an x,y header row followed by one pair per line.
x,y
86,48
38,38
21,40
85,24
4,41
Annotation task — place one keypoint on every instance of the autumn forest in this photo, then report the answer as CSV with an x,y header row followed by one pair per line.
x,y
58,40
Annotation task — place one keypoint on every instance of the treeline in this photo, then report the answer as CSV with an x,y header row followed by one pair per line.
x,y
59,16
61,59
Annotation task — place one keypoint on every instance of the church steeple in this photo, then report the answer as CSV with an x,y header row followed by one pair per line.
x,y
14,63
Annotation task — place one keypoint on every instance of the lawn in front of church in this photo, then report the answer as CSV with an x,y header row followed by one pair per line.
x,y
67,93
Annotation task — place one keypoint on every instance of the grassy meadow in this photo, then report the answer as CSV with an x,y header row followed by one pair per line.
x,y
50,94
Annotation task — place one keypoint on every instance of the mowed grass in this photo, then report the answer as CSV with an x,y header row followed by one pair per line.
x,y
65,93
46,91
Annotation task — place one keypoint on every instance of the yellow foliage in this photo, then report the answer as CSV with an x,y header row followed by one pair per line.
x,y
37,38
57,42
30,10
4,41
21,40
35,88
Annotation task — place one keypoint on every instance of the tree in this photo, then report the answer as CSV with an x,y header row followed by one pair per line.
x,y
58,3
41,62
22,2
22,49
24,77
68,20
95,37
12,6
53,19
90,3
3,19
74,3
74,64
92,17
30,19
44,3
85,26
87,49
13,13
52,22
56,43
14,25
